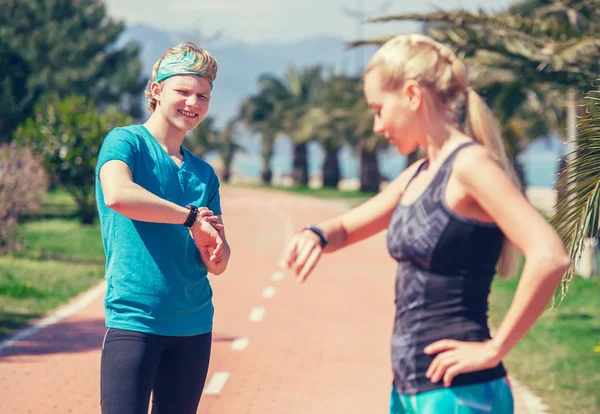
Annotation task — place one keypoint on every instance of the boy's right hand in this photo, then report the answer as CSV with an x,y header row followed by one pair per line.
x,y
207,239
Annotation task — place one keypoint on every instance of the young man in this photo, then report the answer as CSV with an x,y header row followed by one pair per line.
x,y
160,216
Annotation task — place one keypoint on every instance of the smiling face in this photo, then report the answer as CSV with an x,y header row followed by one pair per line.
x,y
182,100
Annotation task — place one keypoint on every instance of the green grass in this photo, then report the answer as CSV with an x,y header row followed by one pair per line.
x,y
60,258
62,239
31,288
58,204
556,359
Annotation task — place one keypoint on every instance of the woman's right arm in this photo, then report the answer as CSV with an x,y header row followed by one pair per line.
x,y
358,224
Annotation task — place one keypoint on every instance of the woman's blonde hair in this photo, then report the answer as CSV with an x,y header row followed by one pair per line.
x,y
202,62
436,67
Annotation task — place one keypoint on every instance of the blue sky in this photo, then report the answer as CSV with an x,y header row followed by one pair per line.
x,y
254,21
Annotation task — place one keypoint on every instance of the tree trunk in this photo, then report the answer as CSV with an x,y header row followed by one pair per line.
x,y
227,158
370,179
267,174
300,164
84,200
331,169
226,173
267,153
87,213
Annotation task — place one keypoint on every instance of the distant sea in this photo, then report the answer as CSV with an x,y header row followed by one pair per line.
x,y
541,161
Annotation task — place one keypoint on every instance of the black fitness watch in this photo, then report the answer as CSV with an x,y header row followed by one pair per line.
x,y
319,233
191,218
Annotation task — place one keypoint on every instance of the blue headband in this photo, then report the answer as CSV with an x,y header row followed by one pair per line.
x,y
179,64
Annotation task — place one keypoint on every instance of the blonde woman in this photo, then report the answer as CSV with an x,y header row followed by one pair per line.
x,y
453,220
160,217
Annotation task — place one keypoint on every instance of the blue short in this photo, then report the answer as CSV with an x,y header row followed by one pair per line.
x,y
493,397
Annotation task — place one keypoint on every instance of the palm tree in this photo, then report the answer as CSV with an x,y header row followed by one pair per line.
x,y
301,90
204,138
330,120
228,147
263,113
276,109
367,143
321,124
207,138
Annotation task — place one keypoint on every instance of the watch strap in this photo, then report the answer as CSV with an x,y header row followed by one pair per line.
x,y
319,232
192,216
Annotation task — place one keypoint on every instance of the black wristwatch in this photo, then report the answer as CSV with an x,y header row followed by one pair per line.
x,y
319,233
192,216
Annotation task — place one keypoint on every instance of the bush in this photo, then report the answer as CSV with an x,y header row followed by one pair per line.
x,y
23,185
68,134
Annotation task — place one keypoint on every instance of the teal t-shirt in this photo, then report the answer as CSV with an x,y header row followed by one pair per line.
x,y
157,282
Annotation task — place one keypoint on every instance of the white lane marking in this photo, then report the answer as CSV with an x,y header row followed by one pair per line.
x,y
268,292
240,344
257,314
82,302
216,383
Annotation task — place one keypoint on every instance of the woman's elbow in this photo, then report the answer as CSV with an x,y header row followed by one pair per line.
x,y
556,261
562,263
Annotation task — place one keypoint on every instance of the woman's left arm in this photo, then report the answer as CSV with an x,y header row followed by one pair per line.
x,y
546,261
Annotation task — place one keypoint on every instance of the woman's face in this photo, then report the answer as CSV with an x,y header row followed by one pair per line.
x,y
396,111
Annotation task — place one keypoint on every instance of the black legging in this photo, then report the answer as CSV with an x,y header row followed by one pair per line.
x,y
134,364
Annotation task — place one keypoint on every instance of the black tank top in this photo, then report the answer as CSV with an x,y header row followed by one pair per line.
x,y
446,264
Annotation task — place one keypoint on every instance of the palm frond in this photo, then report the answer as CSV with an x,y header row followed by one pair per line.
x,y
574,51
456,17
377,41
578,208
499,24
483,75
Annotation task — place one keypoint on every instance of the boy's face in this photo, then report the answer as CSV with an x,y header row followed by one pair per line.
x,y
183,100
